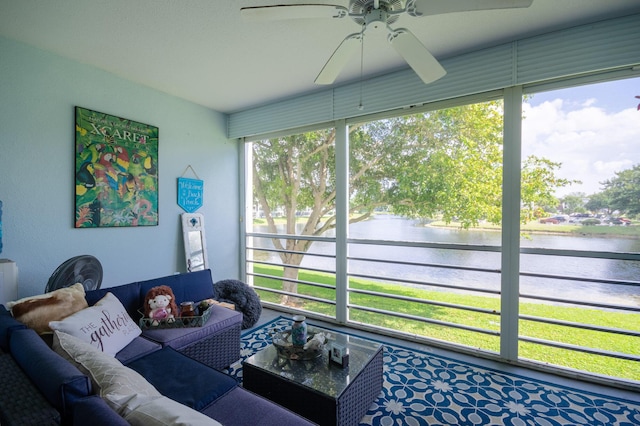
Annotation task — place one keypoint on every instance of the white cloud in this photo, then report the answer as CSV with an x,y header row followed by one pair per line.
x,y
590,142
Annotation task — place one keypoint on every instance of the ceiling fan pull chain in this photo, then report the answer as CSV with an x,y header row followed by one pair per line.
x,y
360,106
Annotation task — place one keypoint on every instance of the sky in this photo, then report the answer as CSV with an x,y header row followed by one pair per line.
x,y
593,130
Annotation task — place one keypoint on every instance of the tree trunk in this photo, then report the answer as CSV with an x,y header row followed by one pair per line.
x,y
289,275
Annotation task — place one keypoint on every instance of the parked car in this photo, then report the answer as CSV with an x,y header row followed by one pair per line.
x,y
549,220
620,221
554,219
578,217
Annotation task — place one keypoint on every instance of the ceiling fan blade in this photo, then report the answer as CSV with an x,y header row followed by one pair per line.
x,y
416,55
339,59
294,11
437,7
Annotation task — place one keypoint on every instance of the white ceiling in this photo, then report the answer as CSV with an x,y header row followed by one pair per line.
x,y
202,51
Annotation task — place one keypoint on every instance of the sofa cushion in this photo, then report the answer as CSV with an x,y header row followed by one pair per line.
x,y
127,294
94,411
21,404
191,286
241,407
37,311
164,411
178,338
138,348
61,383
183,379
7,325
106,325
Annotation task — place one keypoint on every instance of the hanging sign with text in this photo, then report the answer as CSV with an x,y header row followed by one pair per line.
x,y
190,194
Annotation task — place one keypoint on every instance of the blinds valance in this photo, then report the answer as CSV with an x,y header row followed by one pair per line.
x,y
595,47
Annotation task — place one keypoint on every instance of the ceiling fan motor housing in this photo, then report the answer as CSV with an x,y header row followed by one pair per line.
x,y
364,12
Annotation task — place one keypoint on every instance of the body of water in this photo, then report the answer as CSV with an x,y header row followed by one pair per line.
x,y
386,227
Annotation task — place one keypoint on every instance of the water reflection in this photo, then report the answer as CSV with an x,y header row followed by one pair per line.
x,y
386,227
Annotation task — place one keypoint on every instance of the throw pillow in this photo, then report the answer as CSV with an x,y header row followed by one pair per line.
x,y
120,386
106,325
38,311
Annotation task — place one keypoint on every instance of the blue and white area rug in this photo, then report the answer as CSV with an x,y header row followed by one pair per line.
x,y
426,389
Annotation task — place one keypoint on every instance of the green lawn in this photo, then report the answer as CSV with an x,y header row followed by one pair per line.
x,y
489,321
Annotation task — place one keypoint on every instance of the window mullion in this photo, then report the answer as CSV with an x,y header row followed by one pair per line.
x,y
342,218
510,276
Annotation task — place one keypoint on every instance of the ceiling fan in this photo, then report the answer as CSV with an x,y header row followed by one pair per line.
x,y
378,15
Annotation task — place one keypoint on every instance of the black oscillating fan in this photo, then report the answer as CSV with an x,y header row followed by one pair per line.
x,y
84,269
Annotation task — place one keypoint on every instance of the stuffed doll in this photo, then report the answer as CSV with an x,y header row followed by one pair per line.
x,y
160,305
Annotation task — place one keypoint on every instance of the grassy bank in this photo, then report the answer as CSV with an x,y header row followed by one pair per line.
x,y
536,227
488,321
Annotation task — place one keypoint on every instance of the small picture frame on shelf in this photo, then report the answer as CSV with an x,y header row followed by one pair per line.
x,y
338,354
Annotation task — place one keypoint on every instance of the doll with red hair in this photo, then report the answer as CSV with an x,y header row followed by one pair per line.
x,y
160,305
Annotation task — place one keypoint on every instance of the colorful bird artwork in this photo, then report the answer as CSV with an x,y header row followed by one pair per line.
x,y
84,178
105,171
116,171
122,158
149,165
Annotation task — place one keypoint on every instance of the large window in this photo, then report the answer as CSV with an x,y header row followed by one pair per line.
x,y
580,295
418,183
396,224
291,258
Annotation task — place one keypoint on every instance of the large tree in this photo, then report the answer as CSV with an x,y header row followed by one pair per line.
x,y
623,191
574,203
598,202
445,163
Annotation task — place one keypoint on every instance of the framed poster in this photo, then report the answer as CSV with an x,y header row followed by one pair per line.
x,y
116,171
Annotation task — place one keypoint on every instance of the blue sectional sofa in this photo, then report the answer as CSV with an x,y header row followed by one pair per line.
x,y
41,387
216,344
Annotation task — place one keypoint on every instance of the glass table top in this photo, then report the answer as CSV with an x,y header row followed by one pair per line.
x,y
319,374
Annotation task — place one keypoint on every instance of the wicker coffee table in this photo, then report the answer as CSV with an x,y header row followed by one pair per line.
x,y
322,392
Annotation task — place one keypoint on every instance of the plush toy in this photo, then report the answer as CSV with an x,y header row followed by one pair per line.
x,y
160,305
